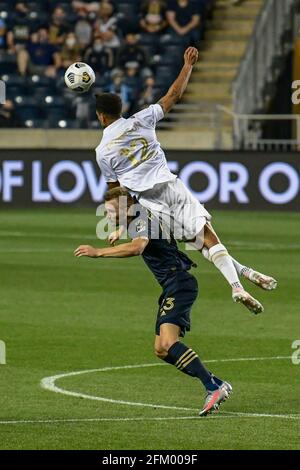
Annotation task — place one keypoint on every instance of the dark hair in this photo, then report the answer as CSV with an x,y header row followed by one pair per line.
x,y
109,104
115,193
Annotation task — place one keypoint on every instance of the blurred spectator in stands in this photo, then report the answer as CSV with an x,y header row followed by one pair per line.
x,y
131,52
132,79
82,110
106,26
18,35
184,18
153,19
70,52
83,30
149,93
89,6
99,57
2,33
41,57
7,115
59,26
118,86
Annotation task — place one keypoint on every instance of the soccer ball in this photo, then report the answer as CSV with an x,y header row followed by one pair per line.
x,y
80,77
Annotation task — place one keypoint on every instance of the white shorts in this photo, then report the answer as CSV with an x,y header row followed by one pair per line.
x,y
177,208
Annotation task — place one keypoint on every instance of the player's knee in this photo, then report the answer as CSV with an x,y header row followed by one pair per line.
x,y
160,353
166,344
210,237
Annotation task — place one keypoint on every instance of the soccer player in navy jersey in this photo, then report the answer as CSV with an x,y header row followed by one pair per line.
x,y
180,289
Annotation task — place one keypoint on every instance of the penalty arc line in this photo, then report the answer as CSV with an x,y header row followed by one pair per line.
x,y
48,383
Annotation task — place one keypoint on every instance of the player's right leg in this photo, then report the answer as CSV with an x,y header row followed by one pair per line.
x,y
171,350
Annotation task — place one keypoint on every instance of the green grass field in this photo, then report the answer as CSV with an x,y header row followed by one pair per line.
x,y
60,314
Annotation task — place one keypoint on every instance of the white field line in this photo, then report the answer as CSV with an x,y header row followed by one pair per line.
x,y
237,244
49,383
142,419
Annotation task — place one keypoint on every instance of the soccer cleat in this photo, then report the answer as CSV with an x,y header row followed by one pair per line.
x,y
243,297
261,280
214,399
228,387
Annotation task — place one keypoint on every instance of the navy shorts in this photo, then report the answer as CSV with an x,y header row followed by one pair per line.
x,y
176,301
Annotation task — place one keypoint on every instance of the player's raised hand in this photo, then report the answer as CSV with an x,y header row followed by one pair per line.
x,y
191,56
86,250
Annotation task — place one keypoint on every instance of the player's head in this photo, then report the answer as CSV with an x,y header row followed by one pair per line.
x,y
108,107
117,203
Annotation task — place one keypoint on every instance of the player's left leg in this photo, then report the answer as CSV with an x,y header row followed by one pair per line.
x,y
219,256
261,280
171,350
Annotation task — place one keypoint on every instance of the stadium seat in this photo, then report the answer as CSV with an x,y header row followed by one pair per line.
x,y
36,6
127,10
170,39
5,8
149,50
13,80
164,72
53,123
8,64
35,124
26,108
39,81
173,51
54,107
16,90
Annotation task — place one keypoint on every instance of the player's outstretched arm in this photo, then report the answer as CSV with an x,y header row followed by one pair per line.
x,y
176,91
125,250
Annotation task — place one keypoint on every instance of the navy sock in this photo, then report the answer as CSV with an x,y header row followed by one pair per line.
x,y
216,379
188,362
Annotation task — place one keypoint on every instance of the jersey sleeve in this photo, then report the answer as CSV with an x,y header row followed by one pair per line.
x,y
107,171
139,228
150,116
145,225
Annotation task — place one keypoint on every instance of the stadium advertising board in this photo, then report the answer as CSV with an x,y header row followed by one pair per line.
x,y
232,180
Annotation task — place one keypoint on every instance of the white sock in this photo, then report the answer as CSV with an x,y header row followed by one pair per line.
x,y
241,269
221,259
205,253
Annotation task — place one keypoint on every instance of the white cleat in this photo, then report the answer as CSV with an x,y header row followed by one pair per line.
x,y
243,297
262,281
213,401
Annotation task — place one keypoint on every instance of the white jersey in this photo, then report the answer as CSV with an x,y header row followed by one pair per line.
x,y
130,153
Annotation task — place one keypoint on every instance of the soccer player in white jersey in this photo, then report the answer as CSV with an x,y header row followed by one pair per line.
x,y
130,155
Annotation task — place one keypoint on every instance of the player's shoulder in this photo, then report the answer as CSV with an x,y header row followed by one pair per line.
x,y
143,224
148,115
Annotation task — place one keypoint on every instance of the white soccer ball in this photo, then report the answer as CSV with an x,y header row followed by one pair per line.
x,y
80,77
